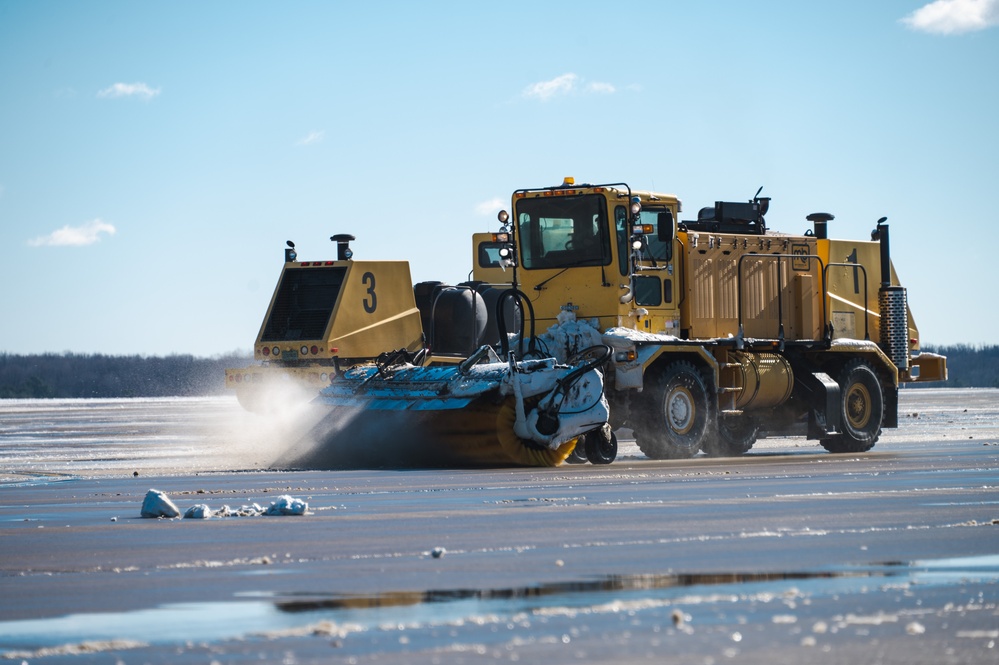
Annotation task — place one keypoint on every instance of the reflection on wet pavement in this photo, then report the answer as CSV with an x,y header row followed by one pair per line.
x,y
662,598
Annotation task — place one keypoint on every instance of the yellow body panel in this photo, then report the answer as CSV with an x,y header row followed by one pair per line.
x,y
846,287
376,311
357,310
779,284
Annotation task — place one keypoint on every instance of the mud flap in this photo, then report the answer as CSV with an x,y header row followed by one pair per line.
x,y
823,395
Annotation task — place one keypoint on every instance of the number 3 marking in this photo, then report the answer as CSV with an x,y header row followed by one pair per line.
x,y
370,304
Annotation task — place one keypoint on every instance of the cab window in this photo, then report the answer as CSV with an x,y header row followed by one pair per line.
x,y
563,231
657,249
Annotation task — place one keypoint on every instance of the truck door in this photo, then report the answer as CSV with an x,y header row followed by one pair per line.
x,y
654,288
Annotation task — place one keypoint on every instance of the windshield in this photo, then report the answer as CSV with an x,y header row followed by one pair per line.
x,y
562,231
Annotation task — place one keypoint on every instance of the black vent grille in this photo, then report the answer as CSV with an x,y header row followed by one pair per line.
x,y
304,303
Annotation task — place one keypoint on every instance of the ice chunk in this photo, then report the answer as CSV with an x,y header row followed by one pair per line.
x,y
158,504
286,505
198,512
252,510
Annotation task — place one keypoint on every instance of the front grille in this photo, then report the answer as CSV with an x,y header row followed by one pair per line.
x,y
304,304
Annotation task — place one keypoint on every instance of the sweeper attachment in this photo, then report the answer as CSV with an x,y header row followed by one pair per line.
x,y
515,406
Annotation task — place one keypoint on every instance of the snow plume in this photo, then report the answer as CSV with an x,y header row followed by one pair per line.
x,y
954,17
74,236
355,438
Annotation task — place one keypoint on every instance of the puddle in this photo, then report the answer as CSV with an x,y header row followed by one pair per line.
x,y
268,614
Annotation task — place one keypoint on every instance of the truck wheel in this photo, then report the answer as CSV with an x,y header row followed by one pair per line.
x,y
578,454
600,448
862,409
675,414
732,437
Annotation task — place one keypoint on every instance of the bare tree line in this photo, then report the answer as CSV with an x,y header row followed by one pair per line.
x,y
79,375
53,375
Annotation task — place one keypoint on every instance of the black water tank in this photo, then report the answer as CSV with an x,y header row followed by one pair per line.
x,y
459,321
511,313
425,293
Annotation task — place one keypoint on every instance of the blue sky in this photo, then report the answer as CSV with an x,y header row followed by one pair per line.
x,y
154,157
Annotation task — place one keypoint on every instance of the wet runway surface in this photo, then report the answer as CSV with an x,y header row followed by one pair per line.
x,y
788,554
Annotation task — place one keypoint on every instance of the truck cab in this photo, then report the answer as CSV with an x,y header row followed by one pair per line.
x,y
605,252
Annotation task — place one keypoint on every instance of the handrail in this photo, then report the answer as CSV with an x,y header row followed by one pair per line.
x,y
780,292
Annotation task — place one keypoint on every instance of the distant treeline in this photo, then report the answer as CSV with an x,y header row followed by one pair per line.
x,y
76,375
969,366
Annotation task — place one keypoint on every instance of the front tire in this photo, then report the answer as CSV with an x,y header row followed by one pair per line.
x,y
578,454
600,446
675,413
862,410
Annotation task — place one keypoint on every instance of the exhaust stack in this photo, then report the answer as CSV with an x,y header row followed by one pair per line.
x,y
892,306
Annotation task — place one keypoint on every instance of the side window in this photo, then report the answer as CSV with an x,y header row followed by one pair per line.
x,y
659,250
489,254
621,228
648,291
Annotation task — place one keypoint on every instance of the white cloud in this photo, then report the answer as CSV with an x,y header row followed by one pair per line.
x,y
545,90
490,207
140,90
602,88
313,137
566,84
74,236
954,17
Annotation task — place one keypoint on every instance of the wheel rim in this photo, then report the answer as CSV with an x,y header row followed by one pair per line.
x,y
858,406
680,410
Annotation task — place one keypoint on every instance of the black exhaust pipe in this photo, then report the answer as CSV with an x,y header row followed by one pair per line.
x,y
821,221
892,306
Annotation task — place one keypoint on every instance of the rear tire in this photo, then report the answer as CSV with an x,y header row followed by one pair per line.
x,y
862,409
674,414
732,436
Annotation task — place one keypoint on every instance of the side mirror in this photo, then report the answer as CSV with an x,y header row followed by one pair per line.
x,y
664,226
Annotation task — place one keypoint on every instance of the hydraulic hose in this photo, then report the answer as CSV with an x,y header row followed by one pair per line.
x,y
501,321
